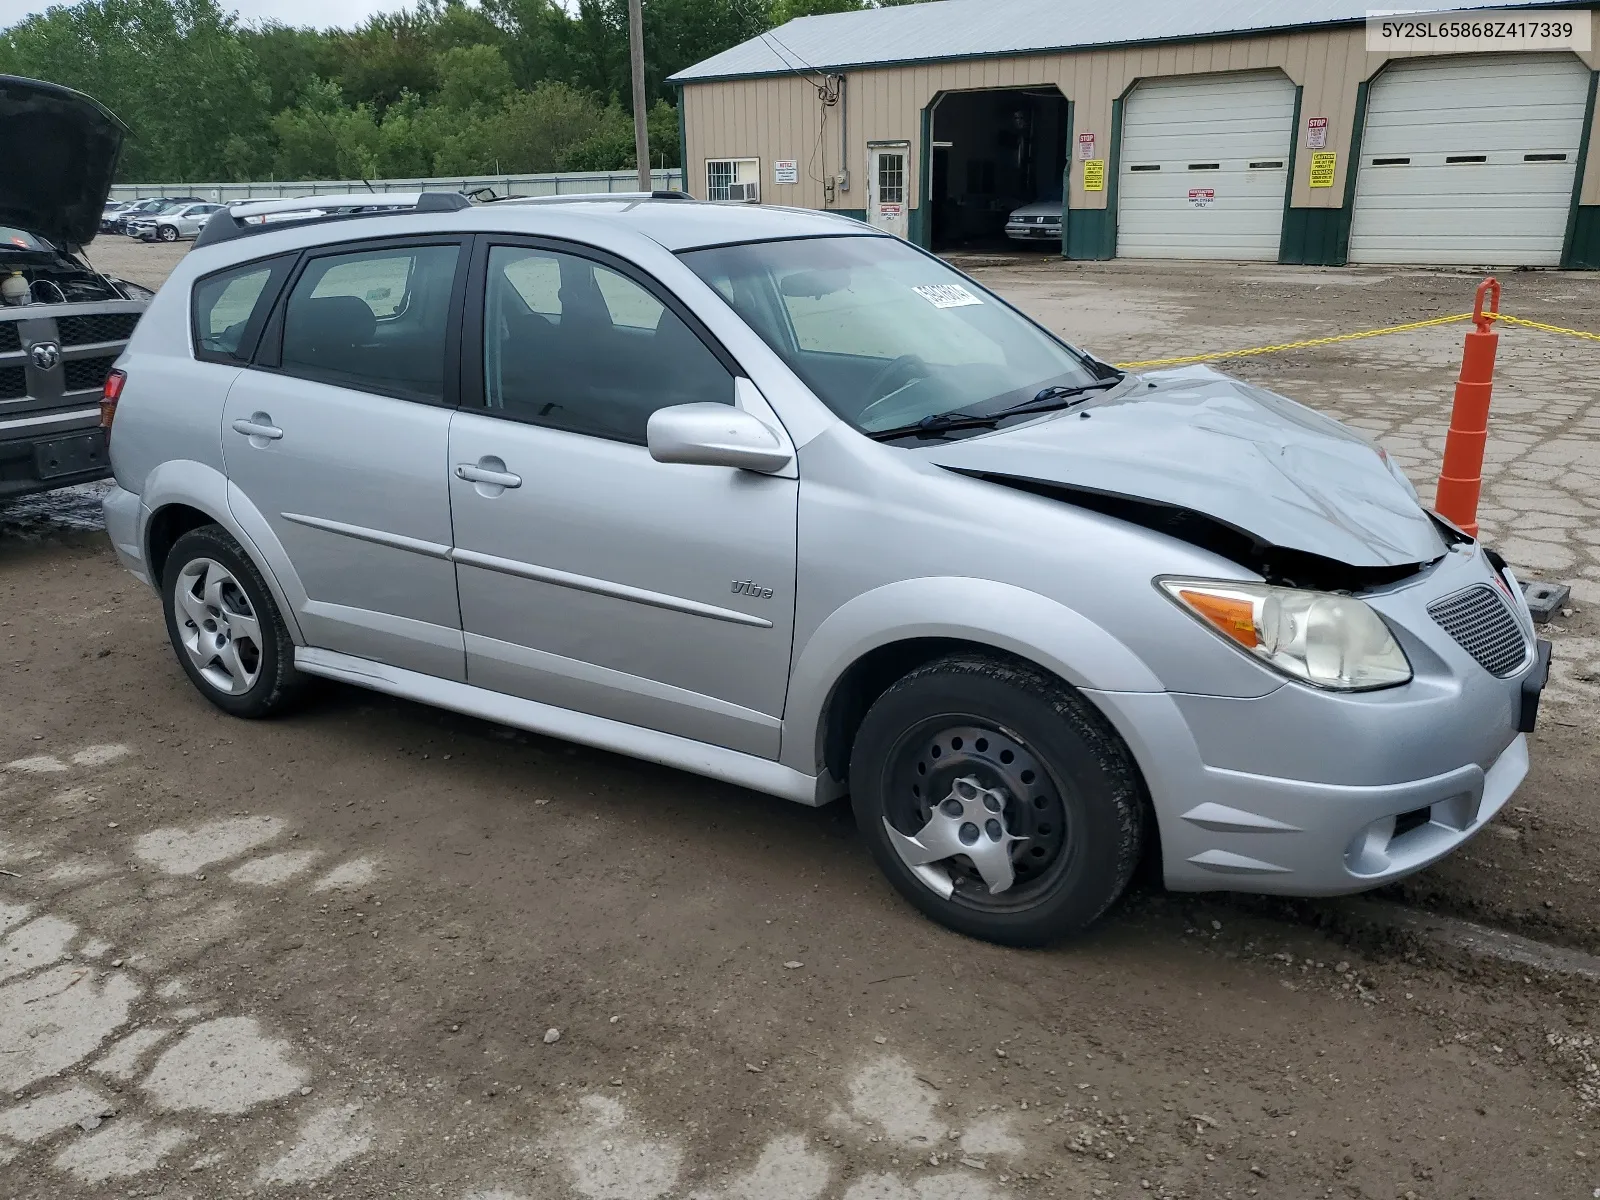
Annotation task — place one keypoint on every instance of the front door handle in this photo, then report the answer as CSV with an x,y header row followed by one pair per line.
x,y
258,426
476,473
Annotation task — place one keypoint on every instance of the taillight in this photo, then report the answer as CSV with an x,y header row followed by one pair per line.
x,y
109,397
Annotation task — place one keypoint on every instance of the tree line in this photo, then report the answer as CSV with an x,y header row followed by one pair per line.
x,y
445,88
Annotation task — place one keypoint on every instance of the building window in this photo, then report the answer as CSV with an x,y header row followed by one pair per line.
x,y
891,178
733,179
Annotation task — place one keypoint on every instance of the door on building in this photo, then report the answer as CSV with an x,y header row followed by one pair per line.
x,y
887,186
1469,160
1204,166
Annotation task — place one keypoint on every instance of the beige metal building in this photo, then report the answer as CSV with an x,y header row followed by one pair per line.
x,y
1239,129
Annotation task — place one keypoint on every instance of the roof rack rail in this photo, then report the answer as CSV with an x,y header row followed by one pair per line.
x,y
593,197
259,216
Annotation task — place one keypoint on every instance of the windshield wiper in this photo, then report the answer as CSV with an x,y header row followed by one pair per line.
x,y
1047,400
930,425
1060,397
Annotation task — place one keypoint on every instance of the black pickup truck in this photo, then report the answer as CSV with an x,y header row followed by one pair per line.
x,y
62,323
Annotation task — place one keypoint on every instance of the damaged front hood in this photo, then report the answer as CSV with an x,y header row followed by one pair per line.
x,y
1199,441
58,154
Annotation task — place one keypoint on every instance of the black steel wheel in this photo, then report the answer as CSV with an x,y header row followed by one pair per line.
x,y
997,800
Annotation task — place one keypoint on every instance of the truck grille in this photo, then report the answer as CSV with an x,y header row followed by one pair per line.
x,y
95,327
85,373
13,383
10,339
1484,627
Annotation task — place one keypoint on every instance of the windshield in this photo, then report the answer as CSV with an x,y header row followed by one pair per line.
x,y
884,335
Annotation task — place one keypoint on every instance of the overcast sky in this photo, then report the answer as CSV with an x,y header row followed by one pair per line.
x,y
320,13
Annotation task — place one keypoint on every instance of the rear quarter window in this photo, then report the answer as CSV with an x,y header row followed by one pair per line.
x,y
230,306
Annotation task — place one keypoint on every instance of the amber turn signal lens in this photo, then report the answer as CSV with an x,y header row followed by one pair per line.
x,y
1234,616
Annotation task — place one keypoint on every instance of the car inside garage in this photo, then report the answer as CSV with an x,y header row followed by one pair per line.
x,y
1470,160
993,152
1204,164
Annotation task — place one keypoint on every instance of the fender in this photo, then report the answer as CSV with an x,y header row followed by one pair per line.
x,y
197,485
1001,615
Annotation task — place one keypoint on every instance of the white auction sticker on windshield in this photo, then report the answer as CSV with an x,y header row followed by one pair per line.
x,y
946,295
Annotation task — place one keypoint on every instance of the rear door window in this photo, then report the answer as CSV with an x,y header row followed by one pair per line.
x,y
376,320
230,306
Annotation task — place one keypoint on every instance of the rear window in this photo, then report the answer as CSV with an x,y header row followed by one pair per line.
x,y
228,307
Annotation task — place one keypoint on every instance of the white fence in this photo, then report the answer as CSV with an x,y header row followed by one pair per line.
x,y
564,183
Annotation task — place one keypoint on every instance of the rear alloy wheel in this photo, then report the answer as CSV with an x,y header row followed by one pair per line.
x,y
997,800
225,628
167,233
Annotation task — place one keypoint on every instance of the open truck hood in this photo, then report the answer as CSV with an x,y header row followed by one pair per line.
x,y
59,149
1194,441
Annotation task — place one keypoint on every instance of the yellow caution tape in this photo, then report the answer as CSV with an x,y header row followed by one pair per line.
x,y
1351,337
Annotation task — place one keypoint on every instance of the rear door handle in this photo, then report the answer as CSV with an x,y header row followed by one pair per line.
x,y
259,426
473,473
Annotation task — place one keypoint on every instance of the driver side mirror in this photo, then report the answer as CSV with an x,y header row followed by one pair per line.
x,y
715,435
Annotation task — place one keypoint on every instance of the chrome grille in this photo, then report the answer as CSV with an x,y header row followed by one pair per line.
x,y
96,327
10,339
1484,627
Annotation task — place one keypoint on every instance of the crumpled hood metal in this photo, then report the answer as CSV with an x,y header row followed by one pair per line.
x,y
58,155
1249,458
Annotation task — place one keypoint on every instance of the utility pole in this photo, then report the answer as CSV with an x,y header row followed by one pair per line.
x,y
641,130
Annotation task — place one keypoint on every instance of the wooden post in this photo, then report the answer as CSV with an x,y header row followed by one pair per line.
x,y
641,128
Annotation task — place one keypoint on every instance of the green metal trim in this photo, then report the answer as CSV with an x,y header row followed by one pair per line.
x,y
917,220
1288,190
1358,130
683,142
1585,252
1569,242
1066,175
1113,171
855,214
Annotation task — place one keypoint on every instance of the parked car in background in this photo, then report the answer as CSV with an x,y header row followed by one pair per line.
x,y
113,208
779,498
62,323
140,224
172,224
118,221
1036,222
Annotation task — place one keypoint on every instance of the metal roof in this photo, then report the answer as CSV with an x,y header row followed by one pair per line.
x,y
943,29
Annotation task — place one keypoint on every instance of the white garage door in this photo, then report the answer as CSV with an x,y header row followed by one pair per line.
x,y
1469,161
1205,161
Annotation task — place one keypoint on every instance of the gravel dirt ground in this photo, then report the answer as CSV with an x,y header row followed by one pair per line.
x,y
325,955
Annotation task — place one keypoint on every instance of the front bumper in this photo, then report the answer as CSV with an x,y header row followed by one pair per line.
x,y
1312,793
1034,233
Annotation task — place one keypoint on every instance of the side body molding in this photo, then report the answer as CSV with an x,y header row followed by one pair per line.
x,y
1000,615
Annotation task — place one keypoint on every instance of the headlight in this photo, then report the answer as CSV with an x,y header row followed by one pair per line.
x,y
1321,638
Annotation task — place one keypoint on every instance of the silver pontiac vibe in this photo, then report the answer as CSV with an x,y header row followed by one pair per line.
x,y
768,496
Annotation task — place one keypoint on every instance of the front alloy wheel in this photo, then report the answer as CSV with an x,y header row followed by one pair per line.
x,y
168,233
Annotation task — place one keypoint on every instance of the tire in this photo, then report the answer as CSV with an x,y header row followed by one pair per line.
x,y
225,627
168,233
1067,788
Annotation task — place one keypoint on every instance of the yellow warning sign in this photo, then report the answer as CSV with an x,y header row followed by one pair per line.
x,y
1094,175
1323,163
